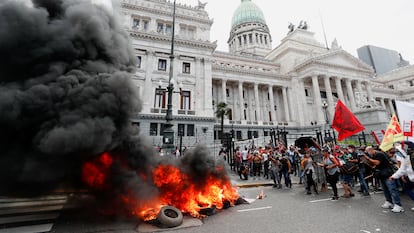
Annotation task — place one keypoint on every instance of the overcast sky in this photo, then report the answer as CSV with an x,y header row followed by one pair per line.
x,y
354,23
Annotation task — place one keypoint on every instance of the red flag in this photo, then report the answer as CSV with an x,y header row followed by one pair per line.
x,y
345,122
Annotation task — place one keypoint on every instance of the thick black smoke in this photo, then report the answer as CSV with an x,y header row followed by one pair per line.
x,y
65,91
66,97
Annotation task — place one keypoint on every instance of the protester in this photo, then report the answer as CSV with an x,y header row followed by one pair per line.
x,y
405,172
286,170
309,173
383,171
257,164
330,163
275,169
346,177
361,169
266,162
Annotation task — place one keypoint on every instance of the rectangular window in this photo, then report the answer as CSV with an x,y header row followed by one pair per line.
x,y
323,94
181,129
138,61
162,127
153,129
227,92
190,130
168,29
162,64
238,135
135,23
191,33
160,98
185,102
160,27
306,92
186,67
249,134
145,25
256,134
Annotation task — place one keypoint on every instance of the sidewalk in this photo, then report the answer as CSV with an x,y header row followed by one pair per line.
x,y
236,181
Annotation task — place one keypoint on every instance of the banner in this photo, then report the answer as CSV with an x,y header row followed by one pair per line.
x,y
345,122
405,111
392,134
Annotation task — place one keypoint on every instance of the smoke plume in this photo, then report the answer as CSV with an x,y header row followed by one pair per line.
x,y
65,90
65,99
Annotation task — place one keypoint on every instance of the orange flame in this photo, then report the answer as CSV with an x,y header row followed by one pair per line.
x,y
175,188
95,173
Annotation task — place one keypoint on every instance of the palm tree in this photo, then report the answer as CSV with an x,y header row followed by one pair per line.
x,y
221,111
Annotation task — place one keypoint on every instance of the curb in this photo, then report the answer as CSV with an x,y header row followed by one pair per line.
x,y
253,185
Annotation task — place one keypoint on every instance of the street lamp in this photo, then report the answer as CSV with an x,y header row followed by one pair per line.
x,y
168,133
325,109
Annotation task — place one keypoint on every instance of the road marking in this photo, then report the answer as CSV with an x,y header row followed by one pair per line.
x,y
327,199
253,209
365,231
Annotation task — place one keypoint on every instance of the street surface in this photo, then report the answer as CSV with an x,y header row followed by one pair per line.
x,y
281,210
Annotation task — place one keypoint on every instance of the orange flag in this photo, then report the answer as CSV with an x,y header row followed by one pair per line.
x,y
392,134
345,122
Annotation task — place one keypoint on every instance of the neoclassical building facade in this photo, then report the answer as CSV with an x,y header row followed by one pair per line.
x,y
294,85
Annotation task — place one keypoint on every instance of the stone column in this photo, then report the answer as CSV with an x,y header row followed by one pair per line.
x,y
272,102
392,111
223,91
257,102
241,101
382,102
317,97
329,96
300,100
291,102
207,78
350,94
285,104
369,91
148,89
339,89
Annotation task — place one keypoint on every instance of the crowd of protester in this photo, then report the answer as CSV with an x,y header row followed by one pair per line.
x,y
318,167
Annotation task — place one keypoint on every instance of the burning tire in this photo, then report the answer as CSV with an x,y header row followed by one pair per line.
x,y
170,216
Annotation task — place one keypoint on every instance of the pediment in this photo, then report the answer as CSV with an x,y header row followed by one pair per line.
x,y
336,58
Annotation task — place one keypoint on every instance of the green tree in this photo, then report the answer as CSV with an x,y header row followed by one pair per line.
x,y
221,111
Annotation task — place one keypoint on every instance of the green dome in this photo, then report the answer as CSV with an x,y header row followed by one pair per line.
x,y
247,12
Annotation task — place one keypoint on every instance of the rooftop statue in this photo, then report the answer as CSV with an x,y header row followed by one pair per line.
x,y
291,27
201,5
303,25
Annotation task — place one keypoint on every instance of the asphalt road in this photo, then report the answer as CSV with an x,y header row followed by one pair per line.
x,y
281,210
286,210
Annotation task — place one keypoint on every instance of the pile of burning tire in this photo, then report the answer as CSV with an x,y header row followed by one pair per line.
x,y
169,216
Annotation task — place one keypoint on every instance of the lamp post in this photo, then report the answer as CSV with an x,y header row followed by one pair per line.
x,y
168,133
325,109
